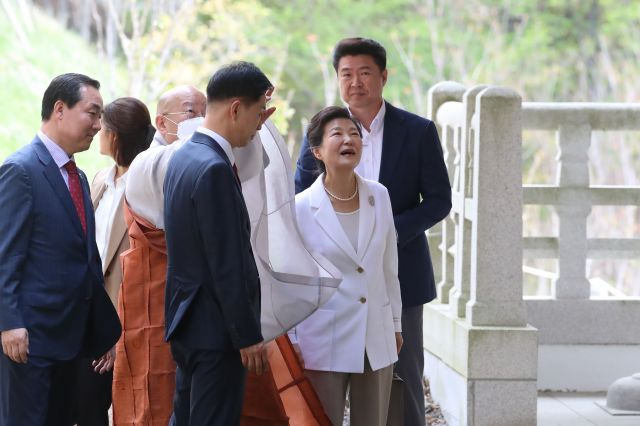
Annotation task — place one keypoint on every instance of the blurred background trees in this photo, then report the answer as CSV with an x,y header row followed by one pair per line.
x,y
548,50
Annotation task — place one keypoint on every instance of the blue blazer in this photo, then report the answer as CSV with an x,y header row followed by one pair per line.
x,y
212,298
413,170
51,279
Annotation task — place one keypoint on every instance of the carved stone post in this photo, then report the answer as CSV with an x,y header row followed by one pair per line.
x,y
442,236
496,257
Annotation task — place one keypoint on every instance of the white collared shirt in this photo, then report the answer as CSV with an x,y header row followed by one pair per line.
x,y
106,210
224,144
158,140
59,156
369,166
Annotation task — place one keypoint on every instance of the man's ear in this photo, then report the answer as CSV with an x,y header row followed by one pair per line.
x,y
234,107
160,124
384,77
58,107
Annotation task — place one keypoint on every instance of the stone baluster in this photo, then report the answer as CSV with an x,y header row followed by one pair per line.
x,y
572,209
496,211
459,293
442,235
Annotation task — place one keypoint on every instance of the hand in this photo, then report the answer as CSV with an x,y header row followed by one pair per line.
x,y
254,358
15,344
399,341
105,362
296,349
269,111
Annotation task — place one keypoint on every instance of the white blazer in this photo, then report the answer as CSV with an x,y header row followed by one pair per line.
x,y
365,312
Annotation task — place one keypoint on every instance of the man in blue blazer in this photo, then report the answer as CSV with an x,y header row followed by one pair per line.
x,y
212,300
53,306
402,151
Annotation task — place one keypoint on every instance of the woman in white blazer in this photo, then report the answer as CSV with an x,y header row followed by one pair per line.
x,y
353,340
126,131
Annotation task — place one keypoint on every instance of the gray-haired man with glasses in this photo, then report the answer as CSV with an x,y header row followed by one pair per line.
x,y
174,106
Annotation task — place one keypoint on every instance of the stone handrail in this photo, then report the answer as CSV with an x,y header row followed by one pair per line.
x,y
461,259
481,351
572,196
480,276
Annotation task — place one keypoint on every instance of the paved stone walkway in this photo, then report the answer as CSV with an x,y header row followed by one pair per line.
x,y
577,409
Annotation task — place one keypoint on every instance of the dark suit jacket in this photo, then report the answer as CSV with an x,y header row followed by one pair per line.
x,y
50,273
212,298
413,170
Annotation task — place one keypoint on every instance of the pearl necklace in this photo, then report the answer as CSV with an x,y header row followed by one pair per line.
x,y
343,199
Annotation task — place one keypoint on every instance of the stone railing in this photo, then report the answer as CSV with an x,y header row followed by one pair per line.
x,y
477,335
482,355
578,331
572,196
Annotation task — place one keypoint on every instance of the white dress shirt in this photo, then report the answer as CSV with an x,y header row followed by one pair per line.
x,y
369,166
59,156
106,209
224,144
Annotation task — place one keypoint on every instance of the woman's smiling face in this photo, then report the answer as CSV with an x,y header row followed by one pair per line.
x,y
341,146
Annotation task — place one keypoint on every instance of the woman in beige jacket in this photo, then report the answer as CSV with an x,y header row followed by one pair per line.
x,y
126,131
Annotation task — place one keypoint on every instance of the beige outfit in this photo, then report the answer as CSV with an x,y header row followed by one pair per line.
x,y
118,239
369,394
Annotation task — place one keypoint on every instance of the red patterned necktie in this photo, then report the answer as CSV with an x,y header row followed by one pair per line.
x,y
235,172
76,193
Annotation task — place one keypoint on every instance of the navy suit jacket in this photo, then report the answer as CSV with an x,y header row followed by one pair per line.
x,y
51,279
413,170
212,298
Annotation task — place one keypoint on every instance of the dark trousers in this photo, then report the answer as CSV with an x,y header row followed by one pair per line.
x,y
410,366
37,393
93,396
209,387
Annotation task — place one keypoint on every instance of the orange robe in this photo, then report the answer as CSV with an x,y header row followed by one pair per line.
x,y
144,371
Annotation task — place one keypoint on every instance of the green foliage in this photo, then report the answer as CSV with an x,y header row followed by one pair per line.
x,y
547,50
27,70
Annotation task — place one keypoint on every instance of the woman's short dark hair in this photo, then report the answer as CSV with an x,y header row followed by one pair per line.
x,y
360,46
315,130
239,79
129,119
65,88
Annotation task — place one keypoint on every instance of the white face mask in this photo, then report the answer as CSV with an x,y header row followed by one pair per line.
x,y
186,128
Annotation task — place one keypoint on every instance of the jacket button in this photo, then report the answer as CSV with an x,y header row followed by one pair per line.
x,y
360,270
363,299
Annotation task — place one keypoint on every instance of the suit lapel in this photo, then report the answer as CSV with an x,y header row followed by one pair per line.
x,y
393,138
53,176
328,221
118,231
88,214
367,217
96,195
211,143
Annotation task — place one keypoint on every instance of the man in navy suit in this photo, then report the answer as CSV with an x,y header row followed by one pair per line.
x,y
402,151
53,306
212,300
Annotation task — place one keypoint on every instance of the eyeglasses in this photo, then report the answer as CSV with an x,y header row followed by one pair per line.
x,y
189,113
